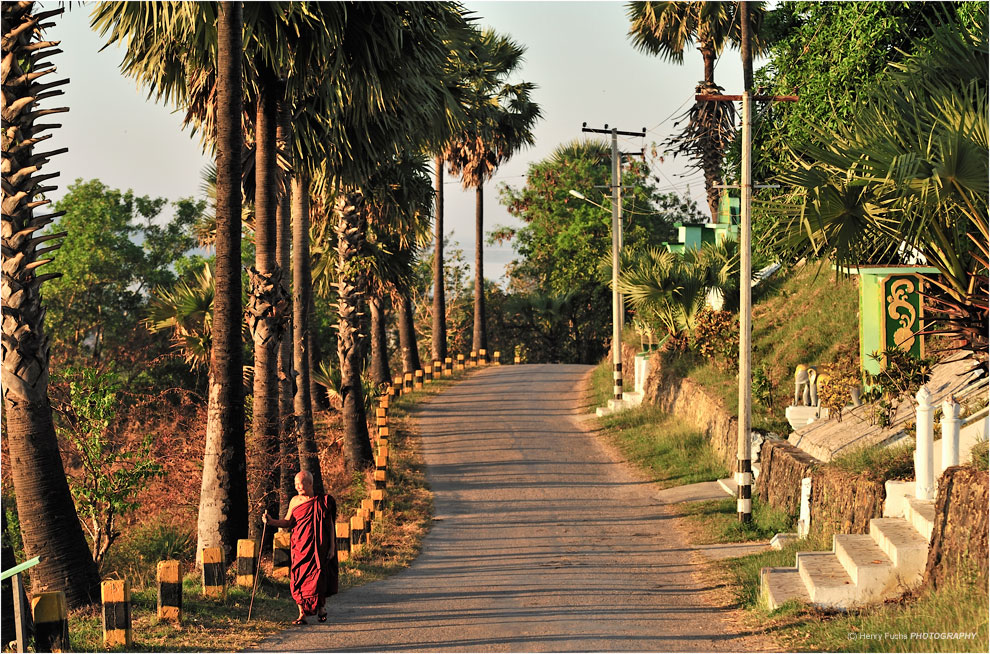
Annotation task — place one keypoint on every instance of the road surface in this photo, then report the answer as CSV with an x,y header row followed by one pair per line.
x,y
542,541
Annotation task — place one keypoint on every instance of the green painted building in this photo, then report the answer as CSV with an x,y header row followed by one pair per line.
x,y
696,235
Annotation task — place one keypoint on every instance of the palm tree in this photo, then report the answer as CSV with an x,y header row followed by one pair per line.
x,y
502,119
665,29
670,289
49,524
187,310
398,206
288,447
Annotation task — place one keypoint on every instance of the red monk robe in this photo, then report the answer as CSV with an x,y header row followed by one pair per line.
x,y
313,575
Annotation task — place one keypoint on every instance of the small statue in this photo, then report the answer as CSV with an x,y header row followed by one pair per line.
x,y
802,395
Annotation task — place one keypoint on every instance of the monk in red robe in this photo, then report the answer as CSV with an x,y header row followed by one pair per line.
x,y
313,573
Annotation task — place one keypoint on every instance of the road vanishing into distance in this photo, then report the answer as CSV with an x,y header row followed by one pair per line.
x,y
543,540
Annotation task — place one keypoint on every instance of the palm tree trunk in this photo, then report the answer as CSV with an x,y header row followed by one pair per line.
x,y
49,525
407,335
288,450
316,393
267,306
380,374
302,289
223,503
439,345
480,340
351,225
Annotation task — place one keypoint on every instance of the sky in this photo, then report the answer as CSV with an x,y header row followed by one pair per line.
x,y
577,54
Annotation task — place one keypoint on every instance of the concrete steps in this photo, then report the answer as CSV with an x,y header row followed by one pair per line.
x,y
861,568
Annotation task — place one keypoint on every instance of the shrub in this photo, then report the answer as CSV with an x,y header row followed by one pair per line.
x,y
137,555
716,337
762,387
980,455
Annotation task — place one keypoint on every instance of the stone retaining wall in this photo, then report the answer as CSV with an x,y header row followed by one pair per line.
x,y
688,400
784,465
960,536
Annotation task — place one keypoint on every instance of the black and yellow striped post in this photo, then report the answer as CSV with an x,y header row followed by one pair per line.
x,y
397,384
378,497
380,482
343,530
460,362
428,374
281,556
437,368
247,562
418,379
116,597
213,571
448,367
169,591
357,533
383,403
472,359
390,392
366,517
497,354
51,622
407,382
482,357
368,507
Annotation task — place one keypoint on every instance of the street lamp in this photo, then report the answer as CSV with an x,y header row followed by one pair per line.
x,y
616,298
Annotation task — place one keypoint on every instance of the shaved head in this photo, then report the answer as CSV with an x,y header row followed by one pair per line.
x,y
305,478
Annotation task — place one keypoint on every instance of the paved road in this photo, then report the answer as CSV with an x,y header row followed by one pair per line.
x,y
542,540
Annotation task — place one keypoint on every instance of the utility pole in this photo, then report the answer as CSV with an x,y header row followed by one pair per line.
x,y
617,313
744,465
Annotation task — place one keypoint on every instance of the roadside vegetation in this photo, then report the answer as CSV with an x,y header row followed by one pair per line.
x,y
211,624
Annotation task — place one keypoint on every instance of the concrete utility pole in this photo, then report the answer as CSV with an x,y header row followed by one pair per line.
x,y
744,467
617,312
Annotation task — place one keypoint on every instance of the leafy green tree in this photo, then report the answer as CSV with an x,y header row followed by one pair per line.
x,y
118,253
111,473
564,239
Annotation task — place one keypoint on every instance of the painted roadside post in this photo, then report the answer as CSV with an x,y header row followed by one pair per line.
x,y
281,554
51,622
116,597
169,591
343,531
213,572
247,562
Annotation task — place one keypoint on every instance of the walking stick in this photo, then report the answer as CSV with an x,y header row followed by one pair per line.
x,y
257,571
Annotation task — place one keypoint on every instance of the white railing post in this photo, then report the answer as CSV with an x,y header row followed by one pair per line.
x,y
924,470
950,433
804,521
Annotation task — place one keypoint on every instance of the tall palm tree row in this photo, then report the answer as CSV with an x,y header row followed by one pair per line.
x,y
666,29
49,523
411,107
500,123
